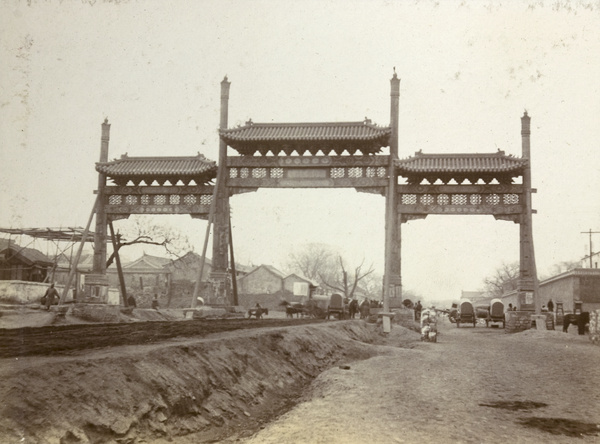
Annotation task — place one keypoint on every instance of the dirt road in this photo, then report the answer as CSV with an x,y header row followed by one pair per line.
x,y
476,385
349,384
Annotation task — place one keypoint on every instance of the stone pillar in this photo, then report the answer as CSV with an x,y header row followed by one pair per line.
x,y
219,275
528,296
392,280
96,284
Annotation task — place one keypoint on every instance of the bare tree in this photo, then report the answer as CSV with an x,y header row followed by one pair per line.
x,y
344,283
145,232
312,260
320,263
563,266
504,279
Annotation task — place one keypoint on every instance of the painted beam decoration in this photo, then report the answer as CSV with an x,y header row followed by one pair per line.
x,y
497,200
307,172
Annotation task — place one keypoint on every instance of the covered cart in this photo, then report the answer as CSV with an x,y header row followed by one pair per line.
x,y
497,312
466,314
336,306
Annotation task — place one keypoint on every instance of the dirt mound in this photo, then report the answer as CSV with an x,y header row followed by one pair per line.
x,y
213,386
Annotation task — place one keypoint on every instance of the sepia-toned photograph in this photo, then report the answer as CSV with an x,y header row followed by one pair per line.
x,y
299,221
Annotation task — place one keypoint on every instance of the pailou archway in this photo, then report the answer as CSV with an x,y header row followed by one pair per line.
x,y
321,155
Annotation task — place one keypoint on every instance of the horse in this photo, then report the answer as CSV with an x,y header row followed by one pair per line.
x,y
258,312
581,320
293,309
353,308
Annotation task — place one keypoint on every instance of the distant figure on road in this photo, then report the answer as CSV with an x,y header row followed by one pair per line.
x,y
50,294
510,307
418,309
131,301
550,305
155,302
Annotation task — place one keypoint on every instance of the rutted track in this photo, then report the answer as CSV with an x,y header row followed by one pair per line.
x,y
63,339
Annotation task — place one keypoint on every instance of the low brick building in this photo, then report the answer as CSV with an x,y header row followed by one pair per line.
x,y
579,284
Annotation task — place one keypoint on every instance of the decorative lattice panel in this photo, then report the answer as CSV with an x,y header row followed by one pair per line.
x,y
189,199
409,199
427,199
259,173
131,200
174,199
276,173
510,199
459,199
492,199
244,173
233,173
160,199
337,173
115,200
443,199
475,199
355,172
205,199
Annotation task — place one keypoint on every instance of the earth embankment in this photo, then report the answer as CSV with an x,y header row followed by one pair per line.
x,y
210,387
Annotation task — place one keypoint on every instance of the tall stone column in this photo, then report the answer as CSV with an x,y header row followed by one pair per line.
x,y
528,296
219,276
392,280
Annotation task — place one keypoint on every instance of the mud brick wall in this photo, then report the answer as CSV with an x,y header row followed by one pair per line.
x,y
96,313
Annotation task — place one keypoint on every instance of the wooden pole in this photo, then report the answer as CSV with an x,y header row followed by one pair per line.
x,y
74,264
233,273
118,262
211,215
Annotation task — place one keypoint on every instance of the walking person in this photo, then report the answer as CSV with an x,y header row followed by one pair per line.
x,y
50,294
418,309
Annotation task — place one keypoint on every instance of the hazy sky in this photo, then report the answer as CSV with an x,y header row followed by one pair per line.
x,y
468,71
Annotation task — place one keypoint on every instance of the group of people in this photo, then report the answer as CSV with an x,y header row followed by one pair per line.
x,y
549,307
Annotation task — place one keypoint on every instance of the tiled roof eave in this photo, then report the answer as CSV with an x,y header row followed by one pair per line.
x,y
305,132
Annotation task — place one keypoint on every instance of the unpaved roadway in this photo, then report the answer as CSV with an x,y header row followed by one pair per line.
x,y
476,385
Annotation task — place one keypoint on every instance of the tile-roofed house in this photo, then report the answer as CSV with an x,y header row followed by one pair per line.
x,y
290,284
23,264
147,270
301,137
473,166
160,169
263,279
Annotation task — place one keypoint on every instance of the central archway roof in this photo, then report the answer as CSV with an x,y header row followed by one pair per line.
x,y
253,137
